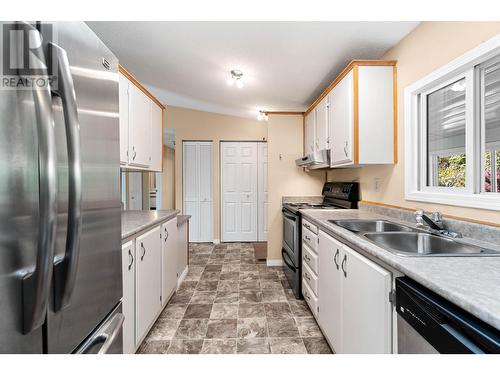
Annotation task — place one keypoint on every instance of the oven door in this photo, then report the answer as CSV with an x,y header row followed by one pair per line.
x,y
291,235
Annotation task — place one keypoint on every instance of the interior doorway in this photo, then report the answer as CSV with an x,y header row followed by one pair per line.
x,y
244,196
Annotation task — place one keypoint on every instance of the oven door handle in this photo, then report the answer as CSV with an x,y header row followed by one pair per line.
x,y
284,254
288,216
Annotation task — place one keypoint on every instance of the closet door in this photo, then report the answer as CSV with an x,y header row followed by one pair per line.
x,y
263,195
197,190
239,191
190,183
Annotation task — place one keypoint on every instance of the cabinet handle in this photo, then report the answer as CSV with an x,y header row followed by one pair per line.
x,y
307,226
166,234
143,251
344,261
307,296
335,259
307,237
307,258
134,153
131,259
307,276
345,149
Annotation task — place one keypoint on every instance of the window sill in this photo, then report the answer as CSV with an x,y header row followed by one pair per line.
x,y
482,201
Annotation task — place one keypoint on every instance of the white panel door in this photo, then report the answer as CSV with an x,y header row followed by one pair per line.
x,y
139,127
168,259
239,191
197,190
205,192
263,198
147,281
135,190
330,290
309,132
156,150
123,103
366,310
128,300
321,125
341,119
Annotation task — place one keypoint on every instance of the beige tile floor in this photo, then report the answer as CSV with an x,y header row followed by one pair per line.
x,y
230,303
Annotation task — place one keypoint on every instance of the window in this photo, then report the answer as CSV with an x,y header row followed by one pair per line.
x,y
452,132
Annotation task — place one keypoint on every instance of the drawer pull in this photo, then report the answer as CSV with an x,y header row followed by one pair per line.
x,y
306,257
307,237
307,276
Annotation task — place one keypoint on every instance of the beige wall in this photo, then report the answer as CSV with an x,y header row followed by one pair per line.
x,y
285,144
193,125
429,46
168,178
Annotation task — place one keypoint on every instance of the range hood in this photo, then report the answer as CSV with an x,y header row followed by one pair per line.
x,y
316,160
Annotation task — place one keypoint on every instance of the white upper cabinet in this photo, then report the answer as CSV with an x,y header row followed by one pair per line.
x,y
123,103
309,132
156,137
356,119
341,115
141,126
321,142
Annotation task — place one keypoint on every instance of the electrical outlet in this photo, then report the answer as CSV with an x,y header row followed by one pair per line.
x,y
376,184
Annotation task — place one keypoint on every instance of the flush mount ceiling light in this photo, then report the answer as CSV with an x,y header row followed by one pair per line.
x,y
262,116
236,79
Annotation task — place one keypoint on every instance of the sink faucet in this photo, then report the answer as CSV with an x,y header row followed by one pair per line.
x,y
435,224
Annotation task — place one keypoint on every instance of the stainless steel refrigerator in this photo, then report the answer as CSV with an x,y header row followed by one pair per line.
x,y
60,242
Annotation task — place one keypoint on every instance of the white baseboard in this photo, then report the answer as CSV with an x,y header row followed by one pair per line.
x,y
274,262
216,241
182,276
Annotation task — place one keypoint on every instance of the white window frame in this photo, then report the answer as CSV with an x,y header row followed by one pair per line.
x,y
473,194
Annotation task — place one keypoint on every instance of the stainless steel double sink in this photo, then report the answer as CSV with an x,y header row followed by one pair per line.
x,y
404,240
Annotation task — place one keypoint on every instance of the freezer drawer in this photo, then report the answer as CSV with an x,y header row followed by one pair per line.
x,y
108,337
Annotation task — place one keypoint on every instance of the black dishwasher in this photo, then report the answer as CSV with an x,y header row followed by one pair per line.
x,y
427,323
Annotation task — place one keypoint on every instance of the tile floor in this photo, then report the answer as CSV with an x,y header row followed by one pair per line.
x,y
230,303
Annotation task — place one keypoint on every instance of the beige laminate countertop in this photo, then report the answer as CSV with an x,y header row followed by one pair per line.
x,y
136,221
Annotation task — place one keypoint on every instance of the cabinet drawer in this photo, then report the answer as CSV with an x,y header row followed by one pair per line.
x,y
310,258
310,239
310,298
310,278
306,224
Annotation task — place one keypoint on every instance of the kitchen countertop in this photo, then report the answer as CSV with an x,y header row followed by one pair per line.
x,y
181,219
135,221
473,283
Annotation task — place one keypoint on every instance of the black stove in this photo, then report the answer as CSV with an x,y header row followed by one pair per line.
x,y
336,195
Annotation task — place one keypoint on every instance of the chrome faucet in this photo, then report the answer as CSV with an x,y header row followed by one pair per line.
x,y
435,224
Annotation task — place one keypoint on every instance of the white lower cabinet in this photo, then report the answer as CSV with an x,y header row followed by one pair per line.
x,y
147,281
128,271
355,313
168,259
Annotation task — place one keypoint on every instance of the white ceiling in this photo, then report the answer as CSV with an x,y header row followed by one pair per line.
x,y
286,65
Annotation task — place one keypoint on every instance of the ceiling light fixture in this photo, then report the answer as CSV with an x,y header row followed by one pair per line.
x,y
236,79
262,116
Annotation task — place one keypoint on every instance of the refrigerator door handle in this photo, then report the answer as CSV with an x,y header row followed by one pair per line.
x,y
36,283
106,336
65,269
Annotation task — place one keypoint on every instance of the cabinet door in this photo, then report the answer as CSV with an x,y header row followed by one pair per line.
x,y
156,150
169,259
366,310
329,290
139,127
148,281
322,125
128,300
341,121
309,132
123,103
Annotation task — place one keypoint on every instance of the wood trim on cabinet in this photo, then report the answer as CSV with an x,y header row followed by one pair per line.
x,y
343,73
284,113
395,113
355,136
481,222
131,78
